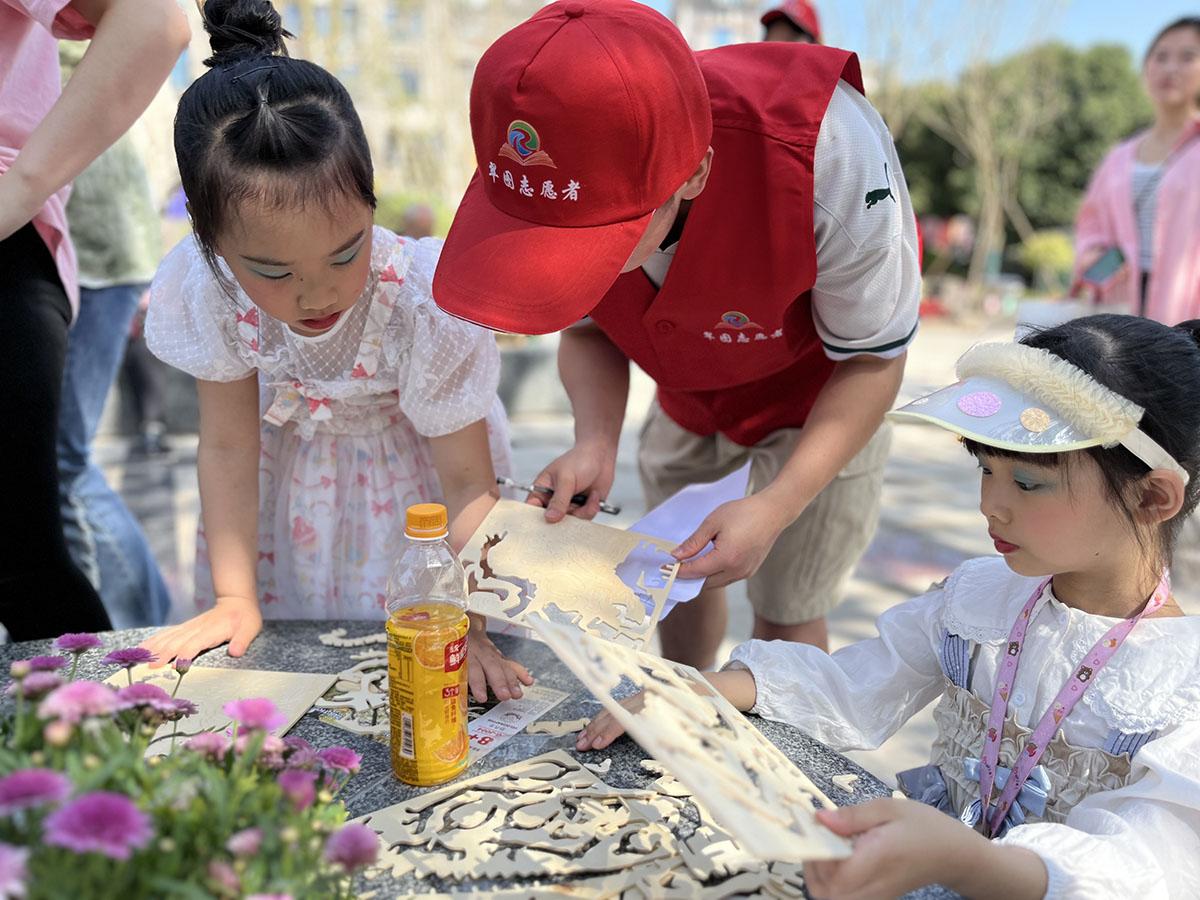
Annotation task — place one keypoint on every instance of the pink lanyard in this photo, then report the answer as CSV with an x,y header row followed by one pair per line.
x,y
1068,696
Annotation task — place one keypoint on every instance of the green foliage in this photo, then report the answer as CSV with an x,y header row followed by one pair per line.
x,y
1050,255
389,212
1100,101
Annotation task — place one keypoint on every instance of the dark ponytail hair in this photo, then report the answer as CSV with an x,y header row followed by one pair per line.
x,y
262,126
1192,22
1155,366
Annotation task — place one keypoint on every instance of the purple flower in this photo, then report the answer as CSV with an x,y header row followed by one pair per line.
x,y
143,694
300,753
130,657
343,759
35,686
73,701
77,643
182,664
47,663
101,822
12,870
352,846
299,786
270,752
209,743
183,709
20,668
245,842
255,714
26,788
222,875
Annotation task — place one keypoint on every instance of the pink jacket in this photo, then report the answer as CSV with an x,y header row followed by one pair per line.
x,y
1106,219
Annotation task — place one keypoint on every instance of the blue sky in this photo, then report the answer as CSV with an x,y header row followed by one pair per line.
x,y
1077,22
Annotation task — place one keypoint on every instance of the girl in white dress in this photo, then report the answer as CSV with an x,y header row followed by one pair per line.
x,y
333,392
1069,679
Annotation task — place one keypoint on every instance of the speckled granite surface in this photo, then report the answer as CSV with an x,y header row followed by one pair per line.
x,y
295,647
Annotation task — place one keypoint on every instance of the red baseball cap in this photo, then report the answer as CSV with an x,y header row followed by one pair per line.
x,y
800,13
586,118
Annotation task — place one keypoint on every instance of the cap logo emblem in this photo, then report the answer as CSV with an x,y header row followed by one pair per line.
x,y
523,146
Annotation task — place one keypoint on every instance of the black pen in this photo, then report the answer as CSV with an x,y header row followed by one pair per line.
x,y
578,499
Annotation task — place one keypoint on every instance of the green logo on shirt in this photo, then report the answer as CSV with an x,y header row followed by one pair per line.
x,y
882,193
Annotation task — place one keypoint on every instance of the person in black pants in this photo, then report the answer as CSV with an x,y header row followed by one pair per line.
x,y
42,593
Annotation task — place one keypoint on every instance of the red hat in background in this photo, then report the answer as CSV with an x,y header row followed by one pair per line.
x,y
800,13
585,119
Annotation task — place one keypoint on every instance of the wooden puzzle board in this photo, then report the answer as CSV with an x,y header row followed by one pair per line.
x,y
574,572
210,689
746,782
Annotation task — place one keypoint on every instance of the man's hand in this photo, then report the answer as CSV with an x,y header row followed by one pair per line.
x,y
234,619
742,533
587,468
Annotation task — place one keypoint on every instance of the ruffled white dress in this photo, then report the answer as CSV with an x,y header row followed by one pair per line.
x,y
346,417
1123,812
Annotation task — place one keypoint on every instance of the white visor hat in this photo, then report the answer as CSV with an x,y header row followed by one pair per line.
x,y
1027,400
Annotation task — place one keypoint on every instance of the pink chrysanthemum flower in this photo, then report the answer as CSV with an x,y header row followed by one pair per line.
x,y
130,657
72,702
101,822
342,759
256,713
299,786
26,788
12,870
352,846
77,642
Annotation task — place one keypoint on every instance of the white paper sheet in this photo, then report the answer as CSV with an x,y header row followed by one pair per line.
x,y
681,514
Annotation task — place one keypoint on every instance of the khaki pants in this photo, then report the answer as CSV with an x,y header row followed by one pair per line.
x,y
803,576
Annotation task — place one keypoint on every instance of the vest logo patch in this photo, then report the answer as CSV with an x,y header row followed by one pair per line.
x,y
734,322
524,147
880,194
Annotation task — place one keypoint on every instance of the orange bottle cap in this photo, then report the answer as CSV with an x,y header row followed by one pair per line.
x,y
426,520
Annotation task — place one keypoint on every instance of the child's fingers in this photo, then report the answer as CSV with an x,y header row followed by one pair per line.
x,y
520,671
243,634
496,673
599,733
477,681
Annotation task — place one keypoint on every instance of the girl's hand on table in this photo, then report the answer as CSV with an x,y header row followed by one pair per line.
x,y
237,620
604,729
901,845
488,667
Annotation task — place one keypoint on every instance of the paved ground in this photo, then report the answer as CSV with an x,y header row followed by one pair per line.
x,y
930,519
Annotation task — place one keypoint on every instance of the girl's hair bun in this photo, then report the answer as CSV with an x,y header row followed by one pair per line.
x,y
1191,328
242,29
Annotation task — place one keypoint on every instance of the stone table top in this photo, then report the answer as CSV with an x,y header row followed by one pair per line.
x,y
294,646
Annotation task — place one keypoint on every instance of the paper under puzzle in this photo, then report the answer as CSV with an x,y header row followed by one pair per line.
x,y
210,689
606,581
744,780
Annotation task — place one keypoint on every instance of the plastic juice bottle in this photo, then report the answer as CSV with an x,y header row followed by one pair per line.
x,y
427,653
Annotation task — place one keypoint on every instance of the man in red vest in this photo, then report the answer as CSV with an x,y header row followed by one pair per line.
x,y
794,20
736,223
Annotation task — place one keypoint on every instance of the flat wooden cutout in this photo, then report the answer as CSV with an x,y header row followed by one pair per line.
x,y
743,779
845,782
337,638
210,689
574,572
600,769
556,728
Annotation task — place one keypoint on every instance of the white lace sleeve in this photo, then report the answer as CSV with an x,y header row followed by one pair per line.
x,y
1142,840
453,366
190,322
858,697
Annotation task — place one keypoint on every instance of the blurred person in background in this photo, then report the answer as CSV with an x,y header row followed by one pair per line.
x,y
1144,202
47,137
1144,199
115,229
417,222
795,21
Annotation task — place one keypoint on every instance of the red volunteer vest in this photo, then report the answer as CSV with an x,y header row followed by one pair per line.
x,y
729,338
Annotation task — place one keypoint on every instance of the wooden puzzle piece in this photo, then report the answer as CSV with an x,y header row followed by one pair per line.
x,y
747,784
584,574
556,728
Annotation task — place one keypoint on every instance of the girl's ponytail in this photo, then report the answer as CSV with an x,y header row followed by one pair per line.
x,y
242,29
